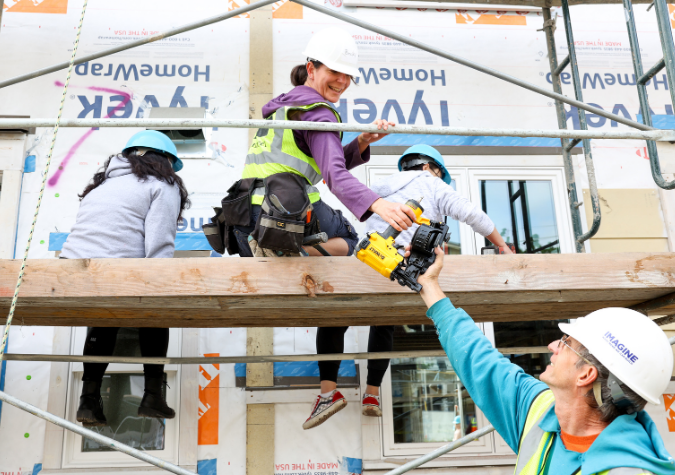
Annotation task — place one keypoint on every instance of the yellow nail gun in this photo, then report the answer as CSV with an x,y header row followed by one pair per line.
x,y
378,251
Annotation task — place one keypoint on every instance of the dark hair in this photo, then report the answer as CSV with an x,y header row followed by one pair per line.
x,y
150,164
299,72
420,167
608,411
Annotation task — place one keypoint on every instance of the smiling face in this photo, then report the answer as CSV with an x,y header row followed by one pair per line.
x,y
330,84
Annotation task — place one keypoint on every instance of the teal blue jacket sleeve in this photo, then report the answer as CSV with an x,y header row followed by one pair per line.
x,y
502,390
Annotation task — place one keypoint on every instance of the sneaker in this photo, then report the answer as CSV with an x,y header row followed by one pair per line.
x,y
370,406
324,408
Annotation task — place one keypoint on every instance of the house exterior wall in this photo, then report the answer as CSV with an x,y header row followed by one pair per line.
x,y
209,67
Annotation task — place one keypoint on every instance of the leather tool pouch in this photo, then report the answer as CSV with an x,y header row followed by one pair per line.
x,y
235,210
283,219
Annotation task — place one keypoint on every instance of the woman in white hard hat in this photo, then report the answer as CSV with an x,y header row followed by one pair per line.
x,y
586,414
279,157
129,210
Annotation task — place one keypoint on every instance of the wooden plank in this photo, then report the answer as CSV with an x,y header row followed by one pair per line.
x,y
320,291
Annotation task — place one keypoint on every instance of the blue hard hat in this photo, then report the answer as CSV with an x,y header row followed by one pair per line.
x,y
157,141
429,152
458,420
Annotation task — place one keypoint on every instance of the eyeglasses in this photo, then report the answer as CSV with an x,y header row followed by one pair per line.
x,y
563,340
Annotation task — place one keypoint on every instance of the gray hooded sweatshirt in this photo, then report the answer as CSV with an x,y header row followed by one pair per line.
x,y
440,200
125,217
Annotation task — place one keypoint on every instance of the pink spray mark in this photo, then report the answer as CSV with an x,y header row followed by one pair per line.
x,y
62,166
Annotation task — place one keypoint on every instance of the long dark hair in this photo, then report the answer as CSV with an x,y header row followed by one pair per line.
x,y
150,164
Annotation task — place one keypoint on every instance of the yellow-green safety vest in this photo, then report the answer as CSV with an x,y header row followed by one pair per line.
x,y
275,151
535,443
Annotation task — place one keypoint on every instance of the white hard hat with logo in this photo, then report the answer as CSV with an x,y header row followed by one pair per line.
x,y
336,49
630,345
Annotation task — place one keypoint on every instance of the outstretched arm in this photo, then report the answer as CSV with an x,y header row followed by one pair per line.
x,y
501,389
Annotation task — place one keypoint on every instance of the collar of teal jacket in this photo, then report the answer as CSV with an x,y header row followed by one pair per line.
x,y
629,441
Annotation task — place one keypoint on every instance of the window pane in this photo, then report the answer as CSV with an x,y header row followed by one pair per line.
x,y
518,334
455,244
426,393
523,211
122,394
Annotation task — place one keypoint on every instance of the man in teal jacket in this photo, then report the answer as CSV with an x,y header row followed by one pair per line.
x,y
585,415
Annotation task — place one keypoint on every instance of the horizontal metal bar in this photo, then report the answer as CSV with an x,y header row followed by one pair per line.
x,y
653,134
655,304
113,444
652,72
572,144
471,64
668,319
563,64
382,355
134,44
442,450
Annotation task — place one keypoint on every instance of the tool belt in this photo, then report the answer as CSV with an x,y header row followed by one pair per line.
x,y
234,210
285,219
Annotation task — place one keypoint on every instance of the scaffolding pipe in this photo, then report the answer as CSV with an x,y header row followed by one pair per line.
x,y
134,44
652,72
563,64
382,355
652,134
561,114
113,444
578,93
442,450
470,64
668,60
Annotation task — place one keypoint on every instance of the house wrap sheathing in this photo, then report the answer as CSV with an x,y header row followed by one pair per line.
x,y
217,425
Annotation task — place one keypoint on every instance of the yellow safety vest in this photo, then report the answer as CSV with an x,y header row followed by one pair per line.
x,y
275,151
535,444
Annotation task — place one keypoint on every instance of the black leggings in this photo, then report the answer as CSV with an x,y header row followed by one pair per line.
x,y
101,342
332,340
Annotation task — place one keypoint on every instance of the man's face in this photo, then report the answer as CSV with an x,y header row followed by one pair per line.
x,y
562,372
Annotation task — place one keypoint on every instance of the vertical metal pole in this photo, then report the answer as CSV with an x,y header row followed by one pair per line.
x,y
590,169
666,36
562,123
2,7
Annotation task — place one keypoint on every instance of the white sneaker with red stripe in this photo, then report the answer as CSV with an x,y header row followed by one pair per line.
x,y
324,407
370,406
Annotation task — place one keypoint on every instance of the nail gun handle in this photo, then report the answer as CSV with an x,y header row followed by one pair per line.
x,y
390,232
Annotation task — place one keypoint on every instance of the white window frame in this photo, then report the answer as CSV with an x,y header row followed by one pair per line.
x,y
560,202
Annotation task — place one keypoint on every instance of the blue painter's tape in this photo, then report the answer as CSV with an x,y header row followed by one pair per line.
x,y
37,468
184,241
207,467
459,140
3,373
300,368
352,465
29,164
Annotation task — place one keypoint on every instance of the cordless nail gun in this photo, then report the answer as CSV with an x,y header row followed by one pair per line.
x,y
378,251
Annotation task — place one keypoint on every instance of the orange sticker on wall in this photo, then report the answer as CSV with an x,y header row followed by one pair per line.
x,y
35,6
209,402
281,9
671,12
668,400
464,17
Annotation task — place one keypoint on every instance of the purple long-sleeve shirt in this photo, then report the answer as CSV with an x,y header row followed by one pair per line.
x,y
333,159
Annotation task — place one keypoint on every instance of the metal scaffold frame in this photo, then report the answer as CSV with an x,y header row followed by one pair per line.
x,y
569,139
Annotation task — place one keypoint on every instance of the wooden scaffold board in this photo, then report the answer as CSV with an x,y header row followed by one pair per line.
x,y
320,291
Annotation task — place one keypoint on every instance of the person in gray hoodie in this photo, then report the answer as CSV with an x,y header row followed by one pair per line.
x,y
423,174
130,210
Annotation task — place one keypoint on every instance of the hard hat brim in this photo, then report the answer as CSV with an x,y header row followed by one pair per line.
x,y
352,71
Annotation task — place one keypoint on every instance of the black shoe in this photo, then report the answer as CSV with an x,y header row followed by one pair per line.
x,y
90,412
153,403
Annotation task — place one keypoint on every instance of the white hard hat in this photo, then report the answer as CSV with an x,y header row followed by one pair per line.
x,y
336,49
631,346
